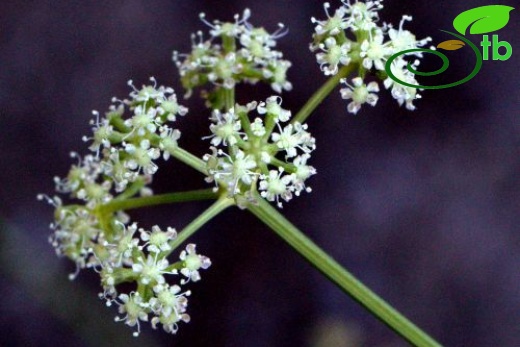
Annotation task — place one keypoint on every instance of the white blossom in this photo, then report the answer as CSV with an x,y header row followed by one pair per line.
x,y
302,173
374,52
403,94
403,39
359,93
363,15
236,170
245,161
193,262
134,310
152,269
157,240
276,185
293,137
332,55
273,107
225,128
333,25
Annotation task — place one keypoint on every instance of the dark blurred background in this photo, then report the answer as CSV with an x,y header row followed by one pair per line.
x,y
421,206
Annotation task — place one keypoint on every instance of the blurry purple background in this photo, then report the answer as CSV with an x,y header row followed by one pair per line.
x,y
422,206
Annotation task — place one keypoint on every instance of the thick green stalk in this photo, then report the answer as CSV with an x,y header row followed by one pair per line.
x,y
190,160
334,271
154,200
229,98
320,95
218,206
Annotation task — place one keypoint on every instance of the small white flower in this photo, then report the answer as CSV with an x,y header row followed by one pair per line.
x,y
254,156
236,170
148,92
293,137
142,157
108,281
276,73
94,193
403,39
169,138
257,127
171,108
332,55
169,299
88,170
273,107
253,59
144,121
193,262
102,131
74,233
303,172
225,128
152,270
359,93
227,28
363,15
169,322
333,25
276,186
374,52
135,309
258,44
114,168
122,247
403,94
224,71
157,240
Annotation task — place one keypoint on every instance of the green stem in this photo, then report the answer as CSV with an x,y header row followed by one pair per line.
x,y
290,168
190,160
119,124
334,271
229,98
228,43
320,95
270,123
218,206
244,121
196,195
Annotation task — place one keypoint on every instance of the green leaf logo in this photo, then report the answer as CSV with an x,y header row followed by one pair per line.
x,y
483,20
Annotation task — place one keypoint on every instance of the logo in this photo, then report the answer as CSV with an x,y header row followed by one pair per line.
x,y
479,21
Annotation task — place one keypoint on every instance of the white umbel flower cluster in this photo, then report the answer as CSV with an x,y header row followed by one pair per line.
x,y
335,47
244,152
125,147
124,151
235,52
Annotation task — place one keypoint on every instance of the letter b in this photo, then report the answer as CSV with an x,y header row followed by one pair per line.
x,y
496,46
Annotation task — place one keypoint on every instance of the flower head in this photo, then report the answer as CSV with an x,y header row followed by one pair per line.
x,y
127,143
351,36
237,52
249,149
